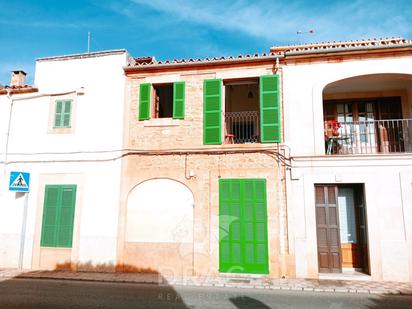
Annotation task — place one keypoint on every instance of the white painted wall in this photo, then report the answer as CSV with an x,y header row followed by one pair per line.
x,y
96,140
387,178
389,209
160,211
302,96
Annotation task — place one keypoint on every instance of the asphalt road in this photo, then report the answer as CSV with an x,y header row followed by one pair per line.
x,y
27,293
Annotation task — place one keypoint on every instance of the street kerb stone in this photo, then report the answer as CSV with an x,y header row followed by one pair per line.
x,y
315,285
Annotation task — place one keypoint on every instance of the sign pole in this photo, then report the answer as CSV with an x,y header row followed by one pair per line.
x,y
20,182
23,230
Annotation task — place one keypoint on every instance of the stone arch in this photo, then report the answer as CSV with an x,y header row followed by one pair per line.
x,y
160,210
159,227
367,82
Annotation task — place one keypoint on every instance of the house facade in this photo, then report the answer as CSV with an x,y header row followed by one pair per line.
x,y
203,186
67,133
341,208
294,163
348,124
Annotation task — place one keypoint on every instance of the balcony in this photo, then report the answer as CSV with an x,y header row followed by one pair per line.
x,y
368,137
242,127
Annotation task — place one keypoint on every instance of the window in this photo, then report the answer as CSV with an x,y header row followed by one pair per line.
x,y
58,216
62,115
242,111
354,110
163,105
162,101
266,99
366,125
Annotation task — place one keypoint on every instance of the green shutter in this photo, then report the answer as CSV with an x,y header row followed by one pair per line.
x,y
50,210
66,216
270,120
179,100
243,243
66,113
62,115
58,216
212,112
58,113
144,101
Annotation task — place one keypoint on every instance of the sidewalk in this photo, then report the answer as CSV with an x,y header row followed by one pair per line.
x,y
323,285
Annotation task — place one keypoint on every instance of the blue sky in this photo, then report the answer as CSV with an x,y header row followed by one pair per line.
x,y
170,29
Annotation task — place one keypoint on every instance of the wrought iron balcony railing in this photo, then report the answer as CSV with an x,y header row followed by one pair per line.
x,y
365,137
242,127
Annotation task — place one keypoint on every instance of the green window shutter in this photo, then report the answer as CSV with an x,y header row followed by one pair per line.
x,y
62,114
179,100
144,101
66,216
243,241
58,216
66,113
212,112
50,212
270,120
58,114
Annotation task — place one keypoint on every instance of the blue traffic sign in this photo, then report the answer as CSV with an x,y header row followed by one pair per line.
x,y
19,182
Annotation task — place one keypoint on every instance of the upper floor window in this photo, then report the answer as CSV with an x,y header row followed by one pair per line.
x,y
242,111
252,110
162,101
62,115
372,125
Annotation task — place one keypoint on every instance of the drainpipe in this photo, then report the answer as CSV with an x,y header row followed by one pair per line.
x,y
6,148
282,202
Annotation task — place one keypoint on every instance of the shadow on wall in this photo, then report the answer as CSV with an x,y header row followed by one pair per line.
x,y
103,268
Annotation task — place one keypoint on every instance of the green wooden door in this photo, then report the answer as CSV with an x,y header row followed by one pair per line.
x,y
243,243
58,216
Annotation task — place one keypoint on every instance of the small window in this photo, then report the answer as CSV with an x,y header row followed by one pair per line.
x,y
62,115
163,101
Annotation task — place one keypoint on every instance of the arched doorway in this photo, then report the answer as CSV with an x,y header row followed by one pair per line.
x,y
159,227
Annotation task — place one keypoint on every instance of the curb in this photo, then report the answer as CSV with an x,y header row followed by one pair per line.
x,y
385,287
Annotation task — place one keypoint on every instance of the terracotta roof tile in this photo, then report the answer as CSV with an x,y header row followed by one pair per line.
x,y
339,45
280,51
153,62
17,89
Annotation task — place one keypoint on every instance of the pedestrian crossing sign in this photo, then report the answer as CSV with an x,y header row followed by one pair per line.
x,y
19,182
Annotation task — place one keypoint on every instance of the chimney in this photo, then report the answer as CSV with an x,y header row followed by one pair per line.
x,y
18,78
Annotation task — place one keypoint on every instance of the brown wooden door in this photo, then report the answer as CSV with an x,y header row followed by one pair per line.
x,y
327,228
362,230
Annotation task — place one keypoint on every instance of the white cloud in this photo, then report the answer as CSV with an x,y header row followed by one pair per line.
x,y
279,21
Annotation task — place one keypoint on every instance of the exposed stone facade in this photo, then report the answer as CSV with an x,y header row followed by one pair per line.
x,y
181,156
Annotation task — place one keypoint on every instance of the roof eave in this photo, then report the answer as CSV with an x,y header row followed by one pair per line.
x,y
83,55
19,91
201,63
343,50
